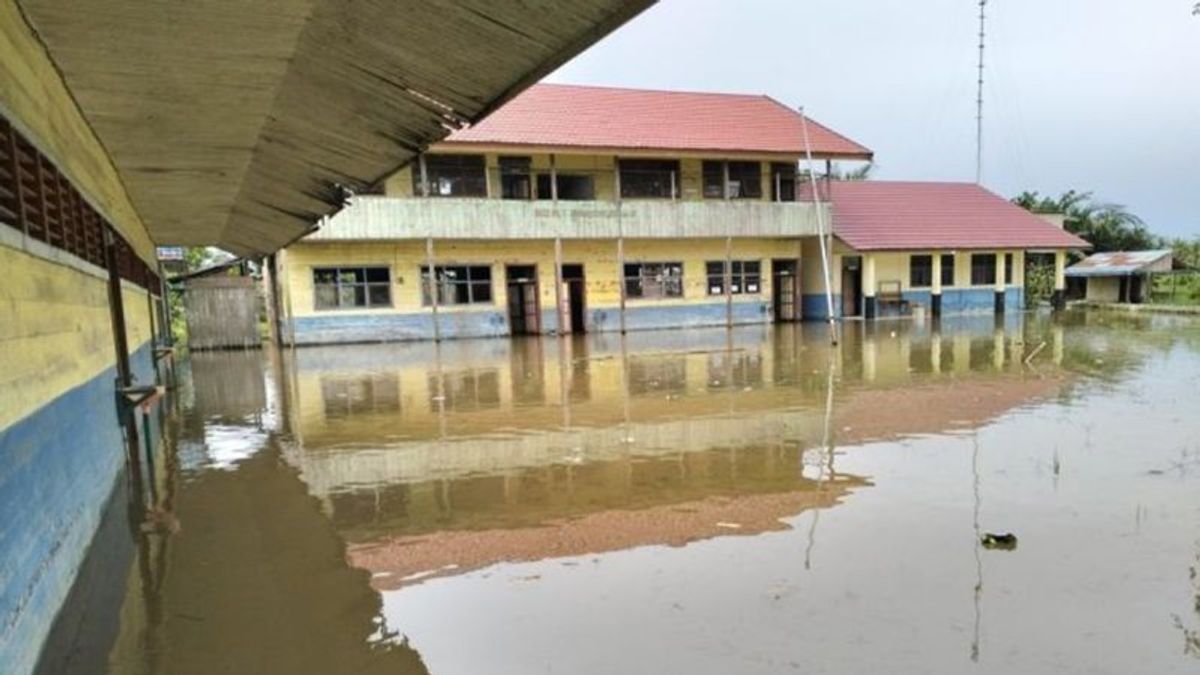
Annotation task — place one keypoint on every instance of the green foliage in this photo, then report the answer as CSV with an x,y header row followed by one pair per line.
x,y
1039,282
1108,227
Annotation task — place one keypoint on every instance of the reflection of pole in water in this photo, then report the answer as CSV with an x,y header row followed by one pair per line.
x,y
978,556
826,458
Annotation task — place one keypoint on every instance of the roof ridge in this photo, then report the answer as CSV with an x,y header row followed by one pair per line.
x,y
650,90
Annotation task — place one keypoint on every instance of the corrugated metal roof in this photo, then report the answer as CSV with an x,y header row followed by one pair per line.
x,y
1116,263
235,123
900,215
608,117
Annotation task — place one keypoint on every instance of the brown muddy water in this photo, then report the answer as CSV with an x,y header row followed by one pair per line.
x,y
684,501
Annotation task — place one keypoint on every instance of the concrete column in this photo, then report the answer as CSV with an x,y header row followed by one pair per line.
x,y
999,282
1059,298
868,289
935,351
432,281
553,178
558,286
424,176
728,281
935,300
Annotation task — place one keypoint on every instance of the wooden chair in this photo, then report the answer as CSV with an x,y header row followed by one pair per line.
x,y
890,295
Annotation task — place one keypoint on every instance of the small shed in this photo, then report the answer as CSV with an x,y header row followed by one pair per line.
x,y
1118,276
222,305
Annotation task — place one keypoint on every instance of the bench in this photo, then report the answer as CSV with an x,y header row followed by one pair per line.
x,y
889,294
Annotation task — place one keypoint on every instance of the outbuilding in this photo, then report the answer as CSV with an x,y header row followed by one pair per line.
x,y
1117,276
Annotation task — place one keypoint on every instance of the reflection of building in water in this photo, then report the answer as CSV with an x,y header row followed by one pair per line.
x,y
624,443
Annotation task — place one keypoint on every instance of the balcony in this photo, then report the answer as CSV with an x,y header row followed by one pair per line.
x,y
370,218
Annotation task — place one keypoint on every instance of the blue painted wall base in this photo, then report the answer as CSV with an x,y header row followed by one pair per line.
x,y
60,465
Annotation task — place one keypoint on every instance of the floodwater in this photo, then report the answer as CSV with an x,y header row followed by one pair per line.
x,y
680,501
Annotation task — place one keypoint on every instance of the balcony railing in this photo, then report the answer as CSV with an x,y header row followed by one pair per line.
x,y
384,218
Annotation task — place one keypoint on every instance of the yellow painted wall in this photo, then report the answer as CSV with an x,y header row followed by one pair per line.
x,y
599,258
893,266
1104,289
57,333
35,99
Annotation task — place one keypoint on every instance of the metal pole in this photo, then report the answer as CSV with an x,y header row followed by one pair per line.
x,y
424,176
431,280
728,279
820,230
979,102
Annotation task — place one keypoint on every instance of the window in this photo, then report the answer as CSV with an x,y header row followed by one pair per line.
x,y
654,280
948,269
656,178
452,176
347,396
571,187
745,180
983,269
920,271
351,287
1008,268
783,182
458,285
515,179
746,277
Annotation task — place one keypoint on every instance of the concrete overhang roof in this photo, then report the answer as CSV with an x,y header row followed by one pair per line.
x,y
233,123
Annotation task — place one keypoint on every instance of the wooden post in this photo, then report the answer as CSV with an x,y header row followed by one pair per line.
x,y
558,284
116,306
432,287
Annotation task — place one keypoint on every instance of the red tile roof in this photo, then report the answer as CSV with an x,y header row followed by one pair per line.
x,y
895,215
642,119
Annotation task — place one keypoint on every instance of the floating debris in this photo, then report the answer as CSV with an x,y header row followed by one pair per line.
x,y
999,542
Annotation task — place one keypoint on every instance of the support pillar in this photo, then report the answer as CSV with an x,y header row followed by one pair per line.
x,y
999,283
728,281
868,282
935,297
558,286
116,305
1059,298
620,239
431,280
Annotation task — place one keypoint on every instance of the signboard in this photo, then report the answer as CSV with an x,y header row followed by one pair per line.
x,y
170,253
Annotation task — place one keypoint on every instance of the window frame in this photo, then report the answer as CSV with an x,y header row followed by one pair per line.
x,y
338,284
512,169
990,264
469,281
641,276
739,277
730,172
438,163
662,168
787,173
926,270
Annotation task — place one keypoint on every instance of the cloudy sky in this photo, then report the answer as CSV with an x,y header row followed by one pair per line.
x,y
1100,95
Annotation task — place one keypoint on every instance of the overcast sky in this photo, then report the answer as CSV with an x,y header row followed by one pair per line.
x,y
1100,95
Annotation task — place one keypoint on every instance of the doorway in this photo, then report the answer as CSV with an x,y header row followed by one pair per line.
x,y
852,286
785,290
574,296
524,313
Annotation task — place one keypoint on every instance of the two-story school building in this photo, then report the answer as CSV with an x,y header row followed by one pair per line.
x,y
578,209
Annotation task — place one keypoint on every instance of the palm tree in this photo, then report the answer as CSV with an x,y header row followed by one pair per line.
x,y
1107,226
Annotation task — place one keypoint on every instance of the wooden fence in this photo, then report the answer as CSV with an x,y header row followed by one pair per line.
x,y
222,312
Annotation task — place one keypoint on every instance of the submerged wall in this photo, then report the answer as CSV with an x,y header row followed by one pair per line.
x,y
408,319
61,446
